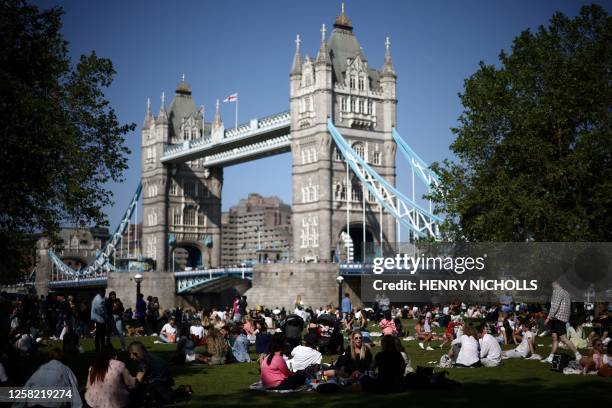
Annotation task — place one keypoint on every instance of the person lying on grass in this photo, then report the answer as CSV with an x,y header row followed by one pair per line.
x,y
593,361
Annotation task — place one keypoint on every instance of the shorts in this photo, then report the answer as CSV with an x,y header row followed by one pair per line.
x,y
558,327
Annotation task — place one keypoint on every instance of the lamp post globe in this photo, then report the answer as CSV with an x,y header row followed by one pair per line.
x,y
138,279
340,279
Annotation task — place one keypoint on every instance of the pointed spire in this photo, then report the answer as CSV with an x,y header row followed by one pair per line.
x,y
183,87
162,117
148,115
342,21
323,55
296,67
388,69
217,120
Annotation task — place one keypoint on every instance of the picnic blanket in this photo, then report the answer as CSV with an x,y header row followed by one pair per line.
x,y
258,386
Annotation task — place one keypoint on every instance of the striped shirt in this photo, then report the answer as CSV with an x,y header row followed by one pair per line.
x,y
560,304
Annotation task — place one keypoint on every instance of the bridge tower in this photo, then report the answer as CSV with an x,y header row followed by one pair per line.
x,y
361,101
181,202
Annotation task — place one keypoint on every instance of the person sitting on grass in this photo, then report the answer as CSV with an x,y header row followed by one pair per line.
x,y
354,361
240,347
575,333
490,351
423,336
185,349
168,332
464,349
593,361
387,325
108,381
262,337
153,376
306,355
216,347
197,332
54,375
606,364
526,347
390,366
275,375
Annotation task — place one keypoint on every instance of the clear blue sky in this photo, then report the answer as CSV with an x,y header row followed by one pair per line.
x,y
247,46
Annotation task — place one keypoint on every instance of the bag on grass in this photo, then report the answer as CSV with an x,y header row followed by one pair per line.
x,y
559,362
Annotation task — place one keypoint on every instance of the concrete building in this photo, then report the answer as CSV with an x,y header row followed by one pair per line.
x,y
256,230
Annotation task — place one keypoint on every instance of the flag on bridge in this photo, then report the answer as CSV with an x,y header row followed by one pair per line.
x,y
232,98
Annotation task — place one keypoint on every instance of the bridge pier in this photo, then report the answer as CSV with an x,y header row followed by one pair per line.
x,y
278,285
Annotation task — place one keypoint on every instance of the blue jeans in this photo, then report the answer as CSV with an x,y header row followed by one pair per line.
x,y
119,330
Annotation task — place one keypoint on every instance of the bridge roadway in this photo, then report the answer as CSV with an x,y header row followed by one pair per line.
x,y
187,281
259,138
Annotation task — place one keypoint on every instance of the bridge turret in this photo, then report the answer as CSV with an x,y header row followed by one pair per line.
x,y
388,83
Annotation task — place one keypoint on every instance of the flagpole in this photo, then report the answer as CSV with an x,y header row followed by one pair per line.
x,y
236,110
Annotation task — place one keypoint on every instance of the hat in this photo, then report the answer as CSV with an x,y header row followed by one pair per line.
x,y
258,308
276,311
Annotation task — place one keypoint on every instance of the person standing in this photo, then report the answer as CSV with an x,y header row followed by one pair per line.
x,y
117,317
347,306
98,317
141,310
558,316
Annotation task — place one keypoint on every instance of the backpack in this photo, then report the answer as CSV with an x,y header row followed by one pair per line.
x,y
559,362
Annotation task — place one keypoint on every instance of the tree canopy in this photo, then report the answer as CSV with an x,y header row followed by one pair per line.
x,y
61,139
533,144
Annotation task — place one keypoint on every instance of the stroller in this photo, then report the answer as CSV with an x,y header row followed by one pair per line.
x,y
328,331
293,327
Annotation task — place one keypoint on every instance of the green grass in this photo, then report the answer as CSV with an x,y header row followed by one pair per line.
x,y
517,382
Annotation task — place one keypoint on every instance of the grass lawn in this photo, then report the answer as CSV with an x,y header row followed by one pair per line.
x,y
516,382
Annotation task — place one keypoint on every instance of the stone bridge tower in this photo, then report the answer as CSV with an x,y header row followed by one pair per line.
x,y
181,203
340,84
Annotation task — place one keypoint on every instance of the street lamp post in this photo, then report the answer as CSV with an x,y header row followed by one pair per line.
x,y
138,278
340,279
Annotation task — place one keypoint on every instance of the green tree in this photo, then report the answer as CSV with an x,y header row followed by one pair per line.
x,y
61,140
534,141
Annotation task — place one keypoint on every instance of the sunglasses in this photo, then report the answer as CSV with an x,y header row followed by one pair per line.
x,y
357,338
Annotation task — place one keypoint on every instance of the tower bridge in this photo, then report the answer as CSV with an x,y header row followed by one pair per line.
x,y
341,132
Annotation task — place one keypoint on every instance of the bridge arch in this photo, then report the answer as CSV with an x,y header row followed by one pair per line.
x,y
356,233
186,255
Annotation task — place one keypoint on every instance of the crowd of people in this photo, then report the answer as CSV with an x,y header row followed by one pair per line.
x,y
288,346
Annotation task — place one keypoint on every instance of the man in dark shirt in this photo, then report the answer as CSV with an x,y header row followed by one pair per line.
x,y
153,374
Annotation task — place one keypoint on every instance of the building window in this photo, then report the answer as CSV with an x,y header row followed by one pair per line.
x,y
176,217
377,158
369,107
189,215
359,149
361,106
353,105
201,218
361,83
173,187
189,189
343,100
337,154
352,82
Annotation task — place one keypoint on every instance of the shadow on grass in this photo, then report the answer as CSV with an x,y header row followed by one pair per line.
x,y
495,393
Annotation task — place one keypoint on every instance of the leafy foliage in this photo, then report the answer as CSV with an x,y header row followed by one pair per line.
x,y
61,139
534,142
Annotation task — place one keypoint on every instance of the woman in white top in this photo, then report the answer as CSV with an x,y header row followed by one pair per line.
x,y
468,355
525,348
168,332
